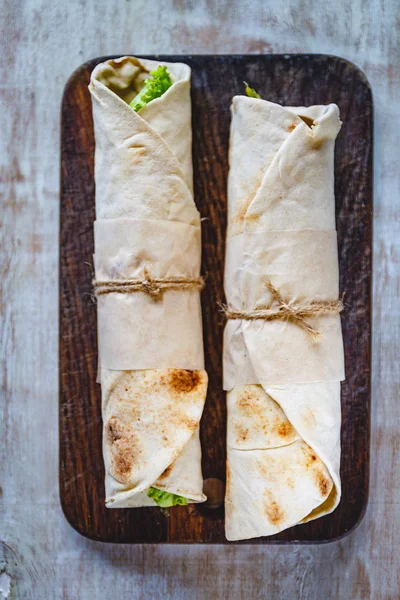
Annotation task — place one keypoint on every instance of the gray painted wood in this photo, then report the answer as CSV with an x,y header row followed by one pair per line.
x,y
42,43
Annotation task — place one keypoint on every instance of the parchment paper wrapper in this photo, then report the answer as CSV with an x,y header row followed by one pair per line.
x,y
136,331
283,385
150,349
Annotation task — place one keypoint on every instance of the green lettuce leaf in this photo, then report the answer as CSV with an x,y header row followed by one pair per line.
x,y
154,87
165,499
251,92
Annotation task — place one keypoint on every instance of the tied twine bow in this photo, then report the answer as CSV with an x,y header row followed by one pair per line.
x,y
285,310
149,285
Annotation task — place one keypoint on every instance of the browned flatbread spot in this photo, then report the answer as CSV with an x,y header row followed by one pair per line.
x,y
190,424
248,403
272,509
241,432
262,467
114,430
274,513
285,429
228,498
122,446
319,471
240,215
251,404
290,483
310,456
253,217
266,415
316,143
292,126
165,473
181,380
324,484
122,464
228,474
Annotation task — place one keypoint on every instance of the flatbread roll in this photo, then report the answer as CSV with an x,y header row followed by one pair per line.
x,y
150,341
283,385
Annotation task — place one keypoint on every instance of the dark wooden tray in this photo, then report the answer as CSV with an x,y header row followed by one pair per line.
x,y
290,80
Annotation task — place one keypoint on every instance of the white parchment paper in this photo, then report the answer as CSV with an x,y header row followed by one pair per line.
x,y
303,266
137,331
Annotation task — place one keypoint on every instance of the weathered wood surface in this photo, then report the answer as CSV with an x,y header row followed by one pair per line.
x,y
42,43
290,80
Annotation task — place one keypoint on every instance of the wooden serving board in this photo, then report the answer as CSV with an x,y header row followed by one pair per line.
x,y
285,79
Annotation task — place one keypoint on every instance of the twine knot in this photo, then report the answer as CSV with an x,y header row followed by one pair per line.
x,y
150,285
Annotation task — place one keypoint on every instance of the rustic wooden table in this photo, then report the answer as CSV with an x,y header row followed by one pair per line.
x,y
41,556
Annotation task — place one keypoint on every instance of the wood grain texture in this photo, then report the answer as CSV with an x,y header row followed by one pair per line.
x,y
42,43
288,80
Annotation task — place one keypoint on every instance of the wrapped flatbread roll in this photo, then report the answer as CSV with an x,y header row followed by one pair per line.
x,y
283,348
147,282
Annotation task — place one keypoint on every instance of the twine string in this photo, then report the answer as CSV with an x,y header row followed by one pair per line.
x,y
152,286
285,311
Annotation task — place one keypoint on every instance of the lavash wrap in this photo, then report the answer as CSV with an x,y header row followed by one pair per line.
x,y
151,364
283,386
